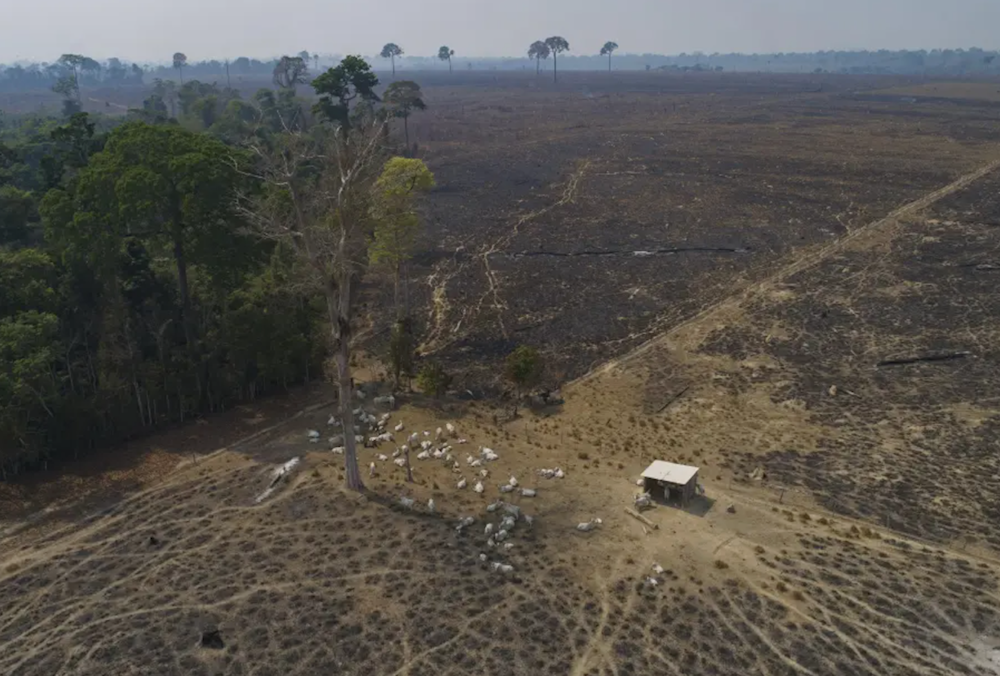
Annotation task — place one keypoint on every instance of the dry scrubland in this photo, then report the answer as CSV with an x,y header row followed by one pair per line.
x,y
869,548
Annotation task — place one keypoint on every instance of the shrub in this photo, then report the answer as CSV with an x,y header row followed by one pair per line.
x,y
523,367
433,379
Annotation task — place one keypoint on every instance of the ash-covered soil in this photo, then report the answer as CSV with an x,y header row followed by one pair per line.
x,y
586,219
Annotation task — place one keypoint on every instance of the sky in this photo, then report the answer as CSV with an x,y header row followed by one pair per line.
x,y
148,31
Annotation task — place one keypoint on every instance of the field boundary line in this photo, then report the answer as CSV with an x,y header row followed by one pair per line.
x,y
799,264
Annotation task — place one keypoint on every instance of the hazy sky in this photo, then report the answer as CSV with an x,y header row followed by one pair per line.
x,y
147,30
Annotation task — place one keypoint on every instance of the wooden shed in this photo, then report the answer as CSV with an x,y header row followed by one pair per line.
x,y
671,482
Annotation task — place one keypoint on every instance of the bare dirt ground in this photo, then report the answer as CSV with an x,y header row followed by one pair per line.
x,y
868,547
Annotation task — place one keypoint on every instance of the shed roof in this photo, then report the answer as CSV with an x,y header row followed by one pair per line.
x,y
670,472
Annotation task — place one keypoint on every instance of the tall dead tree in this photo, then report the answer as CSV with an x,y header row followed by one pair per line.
x,y
317,191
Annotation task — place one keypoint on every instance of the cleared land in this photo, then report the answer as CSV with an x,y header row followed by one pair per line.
x,y
588,219
869,547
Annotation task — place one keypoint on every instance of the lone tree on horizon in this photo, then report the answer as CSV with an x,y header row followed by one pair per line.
x,y
445,54
538,51
556,45
180,60
391,51
608,48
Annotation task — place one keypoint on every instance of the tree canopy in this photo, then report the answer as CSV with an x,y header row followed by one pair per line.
x,y
290,71
402,98
445,53
340,86
390,51
538,51
129,296
608,49
180,61
556,45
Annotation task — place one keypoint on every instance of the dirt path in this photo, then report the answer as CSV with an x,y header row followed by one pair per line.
x,y
439,336
716,313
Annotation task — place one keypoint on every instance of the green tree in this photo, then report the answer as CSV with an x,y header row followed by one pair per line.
x,y
164,184
433,380
166,90
390,51
538,51
72,145
397,224
557,45
352,79
523,369
401,350
402,98
27,389
180,61
290,71
316,201
608,49
445,54
16,209
69,88
76,63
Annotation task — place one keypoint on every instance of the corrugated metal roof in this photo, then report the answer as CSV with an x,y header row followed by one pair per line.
x,y
669,472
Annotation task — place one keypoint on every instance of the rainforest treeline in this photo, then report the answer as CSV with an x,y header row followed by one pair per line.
x,y
134,290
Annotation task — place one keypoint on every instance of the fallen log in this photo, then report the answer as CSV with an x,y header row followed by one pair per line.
x,y
636,515
903,361
673,399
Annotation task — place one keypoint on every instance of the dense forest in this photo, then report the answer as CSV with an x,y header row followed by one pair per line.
x,y
115,72
195,253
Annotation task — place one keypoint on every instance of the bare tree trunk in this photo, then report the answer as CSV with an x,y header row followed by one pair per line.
x,y
336,300
555,67
352,476
538,65
406,130
609,62
396,298
393,58
449,64
406,291
182,286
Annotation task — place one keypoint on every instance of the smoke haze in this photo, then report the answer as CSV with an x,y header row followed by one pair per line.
x,y
206,29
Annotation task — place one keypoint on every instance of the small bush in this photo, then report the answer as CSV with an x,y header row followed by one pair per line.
x,y
523,367
721,565
433,379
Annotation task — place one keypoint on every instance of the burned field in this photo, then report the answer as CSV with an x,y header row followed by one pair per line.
x,y
891,346
586,219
